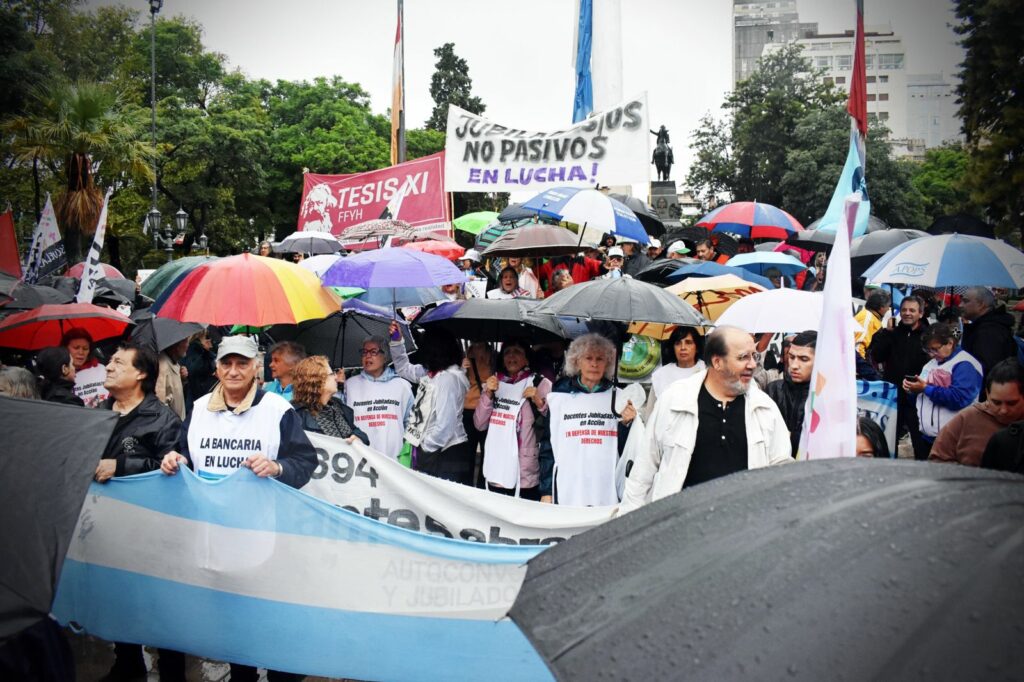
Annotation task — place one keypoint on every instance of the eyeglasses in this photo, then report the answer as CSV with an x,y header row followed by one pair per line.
x,y
934,351
370,352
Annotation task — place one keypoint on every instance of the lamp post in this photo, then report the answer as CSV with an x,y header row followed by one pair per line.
x,y
154,213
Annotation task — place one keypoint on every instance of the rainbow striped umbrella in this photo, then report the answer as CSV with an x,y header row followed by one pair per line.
x,y
248,290
751,219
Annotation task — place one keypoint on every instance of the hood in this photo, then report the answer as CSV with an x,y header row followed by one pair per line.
x,y
989,412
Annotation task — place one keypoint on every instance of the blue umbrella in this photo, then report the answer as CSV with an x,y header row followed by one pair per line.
x,y
709,269
950,260
589,209
759,261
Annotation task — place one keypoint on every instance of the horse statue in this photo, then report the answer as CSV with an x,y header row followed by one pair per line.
x,y
663,160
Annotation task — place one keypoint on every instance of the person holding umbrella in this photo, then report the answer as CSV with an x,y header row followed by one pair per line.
x,y
586,436
508,409
435,428
89,373
170,385
379,398
56,374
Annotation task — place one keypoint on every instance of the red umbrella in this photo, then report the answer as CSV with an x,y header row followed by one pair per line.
x,y
109,271
443,248
44,326
751,219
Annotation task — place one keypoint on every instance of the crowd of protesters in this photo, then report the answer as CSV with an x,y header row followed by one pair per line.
x,y
498,416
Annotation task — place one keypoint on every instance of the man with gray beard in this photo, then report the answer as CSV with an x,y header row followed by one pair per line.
x,y
712,424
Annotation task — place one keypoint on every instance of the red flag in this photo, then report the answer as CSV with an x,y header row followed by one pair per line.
x,y
857,105
9,261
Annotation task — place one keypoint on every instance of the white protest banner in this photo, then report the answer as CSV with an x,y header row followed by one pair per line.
x,y
363,480
611,148
877,400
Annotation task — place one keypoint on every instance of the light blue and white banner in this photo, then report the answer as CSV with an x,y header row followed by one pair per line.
x,y
248,570
877,400
365,481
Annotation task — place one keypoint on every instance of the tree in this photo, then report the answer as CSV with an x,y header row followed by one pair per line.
x,y
450,84
78,129
714,170
991,100
942,180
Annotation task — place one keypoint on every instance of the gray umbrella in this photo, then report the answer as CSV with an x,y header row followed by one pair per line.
x,y
480,319
50,456
868,248
622,299
836,569
31,296
534,240
340,335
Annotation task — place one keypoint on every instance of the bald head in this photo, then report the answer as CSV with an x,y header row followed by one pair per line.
x,y
729,355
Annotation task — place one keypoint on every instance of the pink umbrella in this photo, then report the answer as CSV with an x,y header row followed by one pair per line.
x,y
109,271
443,248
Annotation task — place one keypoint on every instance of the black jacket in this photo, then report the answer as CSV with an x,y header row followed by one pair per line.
x,y
309,422
791,399
201,365
635,263
61,391
990,339
142,437
900,351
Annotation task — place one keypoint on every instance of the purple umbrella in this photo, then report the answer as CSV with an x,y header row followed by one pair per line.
x,y
392,269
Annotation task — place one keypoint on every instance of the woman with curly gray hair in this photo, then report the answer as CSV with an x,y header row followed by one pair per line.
x,y
586,436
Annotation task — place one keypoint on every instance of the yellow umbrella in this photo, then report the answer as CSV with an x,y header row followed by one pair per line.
x,y
711,296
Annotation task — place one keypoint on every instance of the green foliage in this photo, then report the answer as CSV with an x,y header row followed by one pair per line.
x,y
991,94
784,142
942,180
450,84
422,142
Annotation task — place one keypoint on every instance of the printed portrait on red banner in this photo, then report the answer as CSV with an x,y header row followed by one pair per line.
x,y
411,191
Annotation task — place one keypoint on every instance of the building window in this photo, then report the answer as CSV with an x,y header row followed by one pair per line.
x,y
882,79
869,61
844,62
871,97
889,62
840,80
883,97
883,115
823,62
871,79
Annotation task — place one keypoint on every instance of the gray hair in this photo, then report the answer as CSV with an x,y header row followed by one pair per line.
x,y
382,346
716,345
18,382
983,294
589,343
294,351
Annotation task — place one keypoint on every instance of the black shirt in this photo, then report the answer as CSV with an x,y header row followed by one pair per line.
x,y
721,445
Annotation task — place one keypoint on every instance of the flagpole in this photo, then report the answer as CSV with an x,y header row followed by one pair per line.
x,y
401,112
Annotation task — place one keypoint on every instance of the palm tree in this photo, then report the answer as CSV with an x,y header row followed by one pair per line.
x,y
79,129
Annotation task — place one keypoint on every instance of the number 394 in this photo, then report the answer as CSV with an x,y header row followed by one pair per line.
x,y
342,467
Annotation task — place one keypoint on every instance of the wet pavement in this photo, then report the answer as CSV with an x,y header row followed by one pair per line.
x,y
93,658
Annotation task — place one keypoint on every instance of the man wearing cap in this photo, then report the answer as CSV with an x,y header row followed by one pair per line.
x,y
477,283
238,425
676,250
654,249
613,261
636,260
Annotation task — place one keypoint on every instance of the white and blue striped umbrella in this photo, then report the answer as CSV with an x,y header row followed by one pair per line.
x,y
589,209
760,261
950,260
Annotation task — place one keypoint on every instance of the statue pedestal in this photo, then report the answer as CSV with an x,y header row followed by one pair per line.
x,y
665,200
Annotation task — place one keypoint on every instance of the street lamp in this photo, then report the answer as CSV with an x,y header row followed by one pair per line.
x,y
154,213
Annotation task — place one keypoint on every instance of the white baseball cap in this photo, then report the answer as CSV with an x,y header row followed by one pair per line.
x,y
654,243
615,251
471,254
238,345
678,247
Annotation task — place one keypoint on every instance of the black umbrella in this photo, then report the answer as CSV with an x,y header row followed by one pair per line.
x,y
7,284
160,333
812,240
479,319
659,272
868,248
622,299
724,243
31,296
961,223
340,335
867,569
644,212
50,455
514,213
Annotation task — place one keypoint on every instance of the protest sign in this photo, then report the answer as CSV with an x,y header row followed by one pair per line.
x,y
609,148
367,482
877,400
411,191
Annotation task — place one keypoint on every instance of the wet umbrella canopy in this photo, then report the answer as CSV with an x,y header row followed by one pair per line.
x,y
836,569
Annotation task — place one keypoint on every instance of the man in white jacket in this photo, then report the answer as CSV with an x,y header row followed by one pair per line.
x,y
712,424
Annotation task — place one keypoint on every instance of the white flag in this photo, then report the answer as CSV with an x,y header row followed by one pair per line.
x,y
46,255
830,416
93,271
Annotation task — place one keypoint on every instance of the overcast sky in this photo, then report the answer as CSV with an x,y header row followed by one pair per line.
x,y
518,51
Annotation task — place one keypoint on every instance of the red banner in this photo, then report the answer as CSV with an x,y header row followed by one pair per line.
x,y
9,262
411,191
